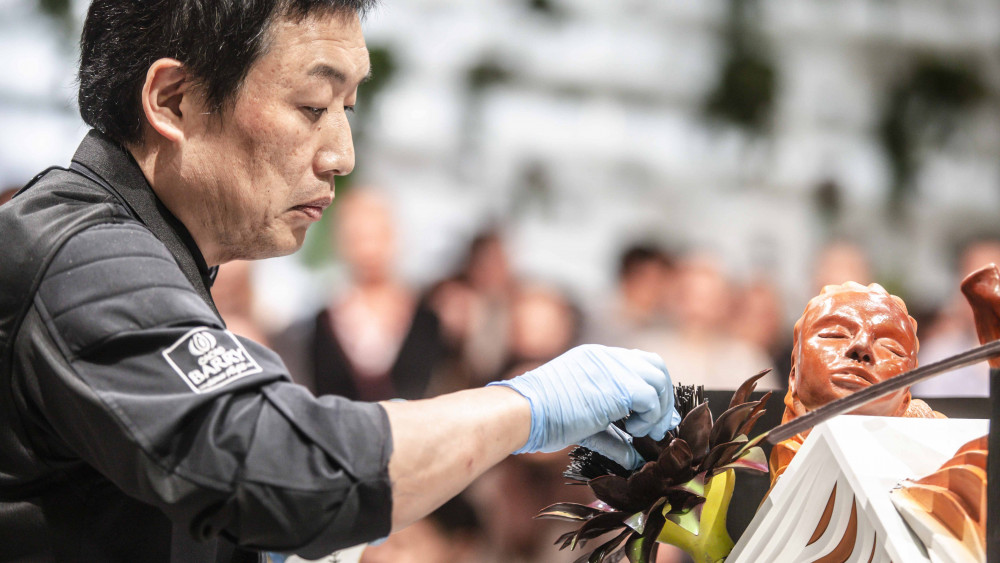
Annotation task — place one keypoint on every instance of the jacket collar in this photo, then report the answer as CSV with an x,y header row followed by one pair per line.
x,y
111,163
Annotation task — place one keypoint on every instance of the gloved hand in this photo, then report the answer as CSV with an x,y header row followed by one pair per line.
x,y
577,395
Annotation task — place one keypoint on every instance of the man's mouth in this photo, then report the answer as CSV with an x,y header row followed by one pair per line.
x,y
314,209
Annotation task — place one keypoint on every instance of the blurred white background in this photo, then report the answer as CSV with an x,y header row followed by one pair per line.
x,y
758,130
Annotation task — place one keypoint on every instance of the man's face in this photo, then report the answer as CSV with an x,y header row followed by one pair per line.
x,y
265,171
851,340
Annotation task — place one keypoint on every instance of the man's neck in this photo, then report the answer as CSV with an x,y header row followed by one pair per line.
x,y
161,173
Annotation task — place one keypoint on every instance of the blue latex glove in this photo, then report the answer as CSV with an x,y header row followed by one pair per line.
x,y
576,396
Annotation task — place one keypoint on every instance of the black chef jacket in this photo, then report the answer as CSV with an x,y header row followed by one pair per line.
x,y
133,426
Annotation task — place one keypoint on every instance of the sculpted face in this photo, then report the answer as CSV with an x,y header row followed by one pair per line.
x,y
850,340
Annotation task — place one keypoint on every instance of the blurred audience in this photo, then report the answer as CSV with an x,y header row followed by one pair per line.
x,y
234,298
543,324
487,272
645,283
456,306
374,340
7,193
840,261
953,330
759,320
474,306
451,534
701,347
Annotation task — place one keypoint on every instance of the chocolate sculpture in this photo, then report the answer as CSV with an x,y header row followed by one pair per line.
x,y
947,509
850,336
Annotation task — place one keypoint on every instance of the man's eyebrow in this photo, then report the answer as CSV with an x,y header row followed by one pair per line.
x,y
336,75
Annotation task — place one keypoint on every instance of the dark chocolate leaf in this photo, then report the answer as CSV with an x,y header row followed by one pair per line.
x,y
727,425
613,490
722,454
675,457
758,411
749,424
695,429
568,511
654,525
753,459
603,551
644,486
746,388
647,447
565,540
600,525
634,549
750,444
682,501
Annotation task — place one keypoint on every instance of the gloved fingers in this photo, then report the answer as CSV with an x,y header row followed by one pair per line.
x,y
644,399
650,368
656,421
616,445
655,359
670,419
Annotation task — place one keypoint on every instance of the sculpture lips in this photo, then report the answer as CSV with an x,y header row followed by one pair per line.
x,y
850,376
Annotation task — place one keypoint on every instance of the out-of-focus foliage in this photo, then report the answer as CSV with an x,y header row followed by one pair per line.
x,y
745,90
925,109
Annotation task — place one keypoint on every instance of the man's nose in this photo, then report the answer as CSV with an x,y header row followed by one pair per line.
x,y
860,349
335,156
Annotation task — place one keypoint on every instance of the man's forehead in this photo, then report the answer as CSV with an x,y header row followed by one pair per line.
x,y
321,33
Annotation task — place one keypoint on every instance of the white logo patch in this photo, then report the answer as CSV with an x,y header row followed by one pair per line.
x,y
205,364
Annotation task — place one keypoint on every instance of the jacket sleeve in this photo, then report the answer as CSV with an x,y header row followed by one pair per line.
x,y
136,376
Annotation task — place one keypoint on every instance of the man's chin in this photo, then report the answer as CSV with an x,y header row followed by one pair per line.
x,y
262,250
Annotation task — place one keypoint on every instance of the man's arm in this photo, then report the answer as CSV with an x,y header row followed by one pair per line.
x,y
442,444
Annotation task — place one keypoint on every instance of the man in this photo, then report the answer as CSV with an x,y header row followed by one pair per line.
x,y
850,336
133,427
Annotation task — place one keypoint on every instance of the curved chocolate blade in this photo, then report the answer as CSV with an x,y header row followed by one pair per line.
x,y
855,400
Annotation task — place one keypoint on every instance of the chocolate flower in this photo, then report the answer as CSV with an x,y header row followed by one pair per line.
x,y
680,495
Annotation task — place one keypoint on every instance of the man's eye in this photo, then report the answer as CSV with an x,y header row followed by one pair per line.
x,y
313,113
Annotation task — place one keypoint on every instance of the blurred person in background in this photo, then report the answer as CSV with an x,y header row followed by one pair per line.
x,y
487,272
450,534
233,294
374,340
759,320
841,261
543,324
953,330
455,303
7,193
700,345
645,282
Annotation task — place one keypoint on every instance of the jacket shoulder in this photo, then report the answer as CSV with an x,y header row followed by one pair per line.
x,y
113,278
34,226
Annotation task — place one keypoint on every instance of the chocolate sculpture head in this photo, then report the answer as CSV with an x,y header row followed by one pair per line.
x,y
851,336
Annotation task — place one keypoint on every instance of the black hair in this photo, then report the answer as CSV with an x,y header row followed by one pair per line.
x,y
455,517
637,254
216,40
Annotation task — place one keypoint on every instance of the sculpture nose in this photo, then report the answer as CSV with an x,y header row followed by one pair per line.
x,y
860,349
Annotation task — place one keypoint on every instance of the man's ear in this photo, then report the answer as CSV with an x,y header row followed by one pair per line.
x,y
165,97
